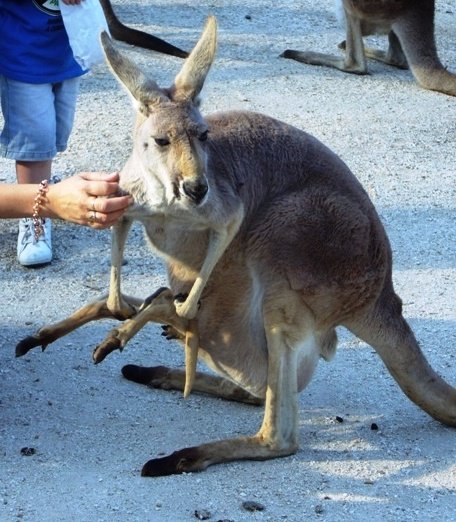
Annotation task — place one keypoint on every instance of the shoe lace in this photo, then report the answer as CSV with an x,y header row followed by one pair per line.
x,y
29,235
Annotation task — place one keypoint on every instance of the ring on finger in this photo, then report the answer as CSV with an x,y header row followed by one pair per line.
x,y
93,217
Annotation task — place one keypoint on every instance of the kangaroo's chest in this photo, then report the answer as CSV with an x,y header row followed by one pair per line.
x,y
176,240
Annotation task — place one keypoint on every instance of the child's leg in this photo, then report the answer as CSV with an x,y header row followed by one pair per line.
x,y
38,123
33,171
29,138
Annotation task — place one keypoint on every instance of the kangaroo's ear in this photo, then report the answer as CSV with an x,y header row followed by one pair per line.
x,y
144,91
190,80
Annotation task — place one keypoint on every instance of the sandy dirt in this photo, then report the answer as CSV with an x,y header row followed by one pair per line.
x,y
90,431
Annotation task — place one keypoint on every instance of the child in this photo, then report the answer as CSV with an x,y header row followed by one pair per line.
x,y
39,81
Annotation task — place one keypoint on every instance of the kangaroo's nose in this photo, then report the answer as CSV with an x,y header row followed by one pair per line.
x,y
195,190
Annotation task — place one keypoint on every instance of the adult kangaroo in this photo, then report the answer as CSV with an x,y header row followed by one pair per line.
x,y
121,32
409,25
276,244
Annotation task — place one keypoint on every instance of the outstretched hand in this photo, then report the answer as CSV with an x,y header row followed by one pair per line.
x,y
88,198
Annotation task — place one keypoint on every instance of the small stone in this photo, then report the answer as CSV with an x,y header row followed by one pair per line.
x,y
28,451
339,419
374,426
202,514
251,505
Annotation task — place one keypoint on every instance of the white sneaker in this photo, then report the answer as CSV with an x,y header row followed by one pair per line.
x,y
29,251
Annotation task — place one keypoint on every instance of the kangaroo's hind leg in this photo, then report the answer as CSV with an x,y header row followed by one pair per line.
x,y
172,379
394,56
354,60
290,345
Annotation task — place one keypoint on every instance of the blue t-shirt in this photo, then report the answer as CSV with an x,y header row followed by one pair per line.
x,y
34,46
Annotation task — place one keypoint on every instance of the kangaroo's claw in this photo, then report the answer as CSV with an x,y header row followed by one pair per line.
x,y
28,343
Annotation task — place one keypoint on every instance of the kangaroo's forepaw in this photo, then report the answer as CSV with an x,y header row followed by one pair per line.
x,y
185,308
28,343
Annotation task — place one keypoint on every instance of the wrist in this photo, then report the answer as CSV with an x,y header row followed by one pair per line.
x,y
38,203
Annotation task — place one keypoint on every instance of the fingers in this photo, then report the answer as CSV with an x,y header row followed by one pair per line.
x,y
99,220
99,176
101,183
109,205
104,212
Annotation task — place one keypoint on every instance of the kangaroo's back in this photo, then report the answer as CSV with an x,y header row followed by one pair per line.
x,y
262,158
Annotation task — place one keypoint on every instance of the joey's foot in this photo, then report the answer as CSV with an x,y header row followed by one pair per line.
x,y
170,333
185,460
28,343
111,343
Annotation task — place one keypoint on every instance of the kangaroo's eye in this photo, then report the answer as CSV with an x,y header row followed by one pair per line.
x,y
161,142
203,136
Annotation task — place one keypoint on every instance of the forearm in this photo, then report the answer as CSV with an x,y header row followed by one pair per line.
x,y
87,198
16,201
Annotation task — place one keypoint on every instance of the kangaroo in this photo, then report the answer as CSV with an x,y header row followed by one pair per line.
x,y
121,32
282,244
409,25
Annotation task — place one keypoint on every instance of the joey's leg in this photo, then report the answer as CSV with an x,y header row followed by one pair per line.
x,y
172,379
159,307
114,306
354,60
278,435
90,312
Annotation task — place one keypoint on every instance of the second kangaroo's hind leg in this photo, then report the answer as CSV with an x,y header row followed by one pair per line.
x,y
394,56
354,60
385,329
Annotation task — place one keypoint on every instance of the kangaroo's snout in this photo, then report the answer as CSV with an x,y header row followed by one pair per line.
x,y
195,190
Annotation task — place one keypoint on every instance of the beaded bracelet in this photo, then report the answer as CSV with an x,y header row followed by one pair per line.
x,y
39,200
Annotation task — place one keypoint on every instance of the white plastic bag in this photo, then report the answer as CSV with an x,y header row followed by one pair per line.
x,y
84,23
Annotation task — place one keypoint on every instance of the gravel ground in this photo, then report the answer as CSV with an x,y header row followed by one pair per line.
x,y
91,431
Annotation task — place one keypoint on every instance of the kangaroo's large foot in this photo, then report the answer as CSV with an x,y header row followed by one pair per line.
x,y
171,379
328,60
198,458
185,460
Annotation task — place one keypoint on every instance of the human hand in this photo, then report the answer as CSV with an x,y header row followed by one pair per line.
x,y
87,198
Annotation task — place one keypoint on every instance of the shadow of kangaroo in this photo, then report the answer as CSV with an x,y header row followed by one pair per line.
x,y
123,33
274,243
409,25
